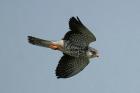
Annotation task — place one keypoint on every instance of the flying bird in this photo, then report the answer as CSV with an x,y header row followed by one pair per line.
x,y
74,46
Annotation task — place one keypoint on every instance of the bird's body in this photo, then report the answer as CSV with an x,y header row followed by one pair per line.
x,y
74,46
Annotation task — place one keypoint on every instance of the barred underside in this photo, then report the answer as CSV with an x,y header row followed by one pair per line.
x,y
74,49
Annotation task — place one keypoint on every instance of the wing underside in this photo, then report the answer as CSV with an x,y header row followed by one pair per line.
x,y
69,66
77,28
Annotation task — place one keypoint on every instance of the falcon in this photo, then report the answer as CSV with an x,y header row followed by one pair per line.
x,y
74,46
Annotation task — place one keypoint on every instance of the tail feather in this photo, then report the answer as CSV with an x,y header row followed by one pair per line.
x,y
38,41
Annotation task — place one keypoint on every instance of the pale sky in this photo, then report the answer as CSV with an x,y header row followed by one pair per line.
x,y
25,68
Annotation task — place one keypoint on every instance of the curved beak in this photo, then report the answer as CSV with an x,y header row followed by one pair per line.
x,y
97,55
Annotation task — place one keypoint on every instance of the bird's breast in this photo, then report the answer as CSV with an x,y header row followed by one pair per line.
x,y
73,49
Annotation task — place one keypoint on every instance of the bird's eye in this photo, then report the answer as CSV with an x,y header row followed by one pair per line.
x,y
93,52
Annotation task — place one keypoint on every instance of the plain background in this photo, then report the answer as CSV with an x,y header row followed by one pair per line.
x,y
25,68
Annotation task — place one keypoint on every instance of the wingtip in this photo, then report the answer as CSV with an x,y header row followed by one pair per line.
x,y
58,77
72,18
76,18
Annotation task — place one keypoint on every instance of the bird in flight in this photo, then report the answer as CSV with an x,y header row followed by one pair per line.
x,y
74,46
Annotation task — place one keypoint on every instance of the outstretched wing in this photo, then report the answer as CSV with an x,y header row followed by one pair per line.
x,y
69,66
79,32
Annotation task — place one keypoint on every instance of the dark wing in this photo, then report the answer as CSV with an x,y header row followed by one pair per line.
x,y
69,66
79,32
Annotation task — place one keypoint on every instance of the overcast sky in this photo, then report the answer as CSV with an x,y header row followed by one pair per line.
x,y
25,68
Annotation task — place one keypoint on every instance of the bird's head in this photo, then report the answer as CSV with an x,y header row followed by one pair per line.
x,y
92,52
